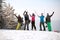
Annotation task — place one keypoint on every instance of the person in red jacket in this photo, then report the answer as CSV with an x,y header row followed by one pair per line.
x,y
33,21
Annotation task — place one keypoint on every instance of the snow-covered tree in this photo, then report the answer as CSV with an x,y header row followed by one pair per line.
x,y
7,14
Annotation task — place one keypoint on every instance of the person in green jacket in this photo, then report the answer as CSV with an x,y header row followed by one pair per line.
x,y
48,21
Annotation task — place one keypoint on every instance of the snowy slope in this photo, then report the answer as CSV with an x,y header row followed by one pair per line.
x,y
28,35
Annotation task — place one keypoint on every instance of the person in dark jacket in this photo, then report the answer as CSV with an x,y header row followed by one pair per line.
x,y
48,21
26,16
19,21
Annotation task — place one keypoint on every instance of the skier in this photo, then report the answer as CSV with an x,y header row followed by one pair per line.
x,y
48,21
19,21
33,21
26,16
42,21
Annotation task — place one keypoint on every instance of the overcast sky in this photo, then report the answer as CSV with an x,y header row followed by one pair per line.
x,y
40,6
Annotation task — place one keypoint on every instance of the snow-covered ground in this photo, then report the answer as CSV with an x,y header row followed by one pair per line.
x,y
28,35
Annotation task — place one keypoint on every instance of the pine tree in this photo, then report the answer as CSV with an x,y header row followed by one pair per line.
x,y
8,17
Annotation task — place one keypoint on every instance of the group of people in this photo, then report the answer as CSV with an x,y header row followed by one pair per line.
x,y
27,21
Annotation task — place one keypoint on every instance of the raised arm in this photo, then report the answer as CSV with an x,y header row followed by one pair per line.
x,y
30,14
52,14
37,14
15,15
24,12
